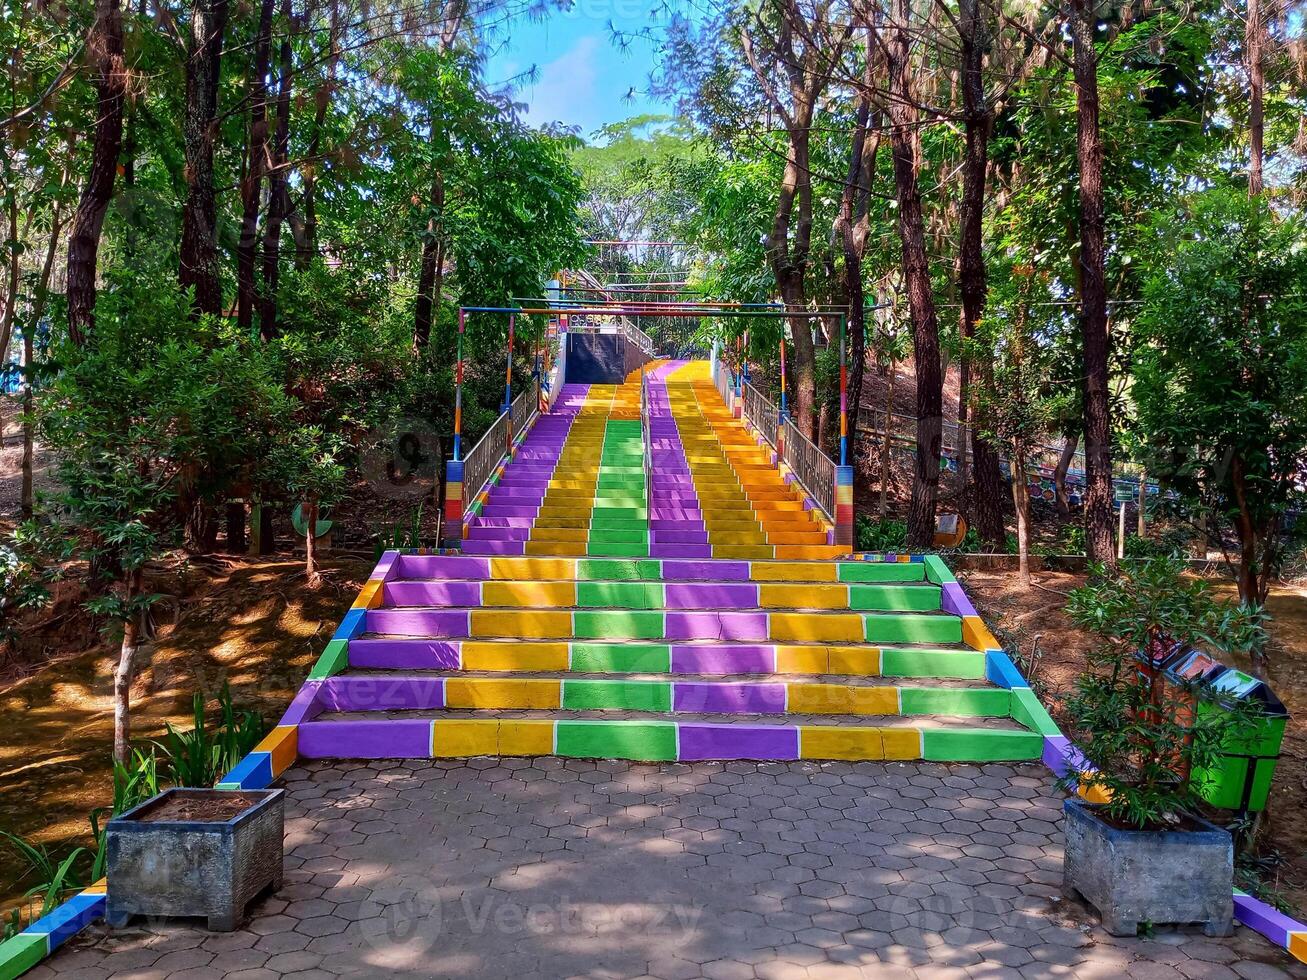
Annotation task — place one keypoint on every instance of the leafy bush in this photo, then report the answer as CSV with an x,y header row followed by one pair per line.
x,y
1143,748
30,562
200,756
877,535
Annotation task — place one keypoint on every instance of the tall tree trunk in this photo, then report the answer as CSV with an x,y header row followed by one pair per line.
x,y
256,164
1093,291
906,142
39,300
1254,42
851,225
789,261
15,268
306,243
278,193
199,245
988,511
885,441
428,300
311,543
125,672
1021,502
105,48
1069,444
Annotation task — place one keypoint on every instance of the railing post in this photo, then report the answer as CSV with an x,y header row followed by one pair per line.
x,y
508,384
844,506
452,525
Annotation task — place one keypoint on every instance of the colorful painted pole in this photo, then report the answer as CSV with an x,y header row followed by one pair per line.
x,y
844,397
508,383
458,389
842,533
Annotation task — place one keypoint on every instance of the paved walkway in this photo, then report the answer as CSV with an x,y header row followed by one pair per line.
x,y
553,868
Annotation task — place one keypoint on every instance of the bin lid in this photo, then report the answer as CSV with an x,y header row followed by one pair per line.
x,y
1192,665
1236,685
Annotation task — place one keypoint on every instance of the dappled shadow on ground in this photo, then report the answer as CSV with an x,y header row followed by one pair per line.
x,y
552,867
250,623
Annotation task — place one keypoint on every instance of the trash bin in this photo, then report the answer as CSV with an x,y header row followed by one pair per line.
x,y
1242,779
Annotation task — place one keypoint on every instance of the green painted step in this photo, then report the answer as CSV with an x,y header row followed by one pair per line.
x,y
609,570
638,658
628,595
585,695
914,598
906,628
614,549
964,664
640,740
881,571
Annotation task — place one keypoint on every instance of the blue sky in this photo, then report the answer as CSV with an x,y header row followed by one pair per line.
x,y
583,75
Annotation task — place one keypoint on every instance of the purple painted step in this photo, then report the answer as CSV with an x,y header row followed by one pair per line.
x,y
404,654
683,595
657,550
392,739
708,741
475,547
442,566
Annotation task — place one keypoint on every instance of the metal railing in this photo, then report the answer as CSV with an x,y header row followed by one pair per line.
x,y
524,407
814,470
638,337
761,414
480,463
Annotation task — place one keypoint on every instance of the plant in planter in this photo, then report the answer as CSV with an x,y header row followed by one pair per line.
x,y
1142,853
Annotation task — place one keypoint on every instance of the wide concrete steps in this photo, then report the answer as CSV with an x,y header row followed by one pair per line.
x,y
653,737
668,659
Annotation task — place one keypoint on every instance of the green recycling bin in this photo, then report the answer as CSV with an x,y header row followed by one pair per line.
x,y
1242,779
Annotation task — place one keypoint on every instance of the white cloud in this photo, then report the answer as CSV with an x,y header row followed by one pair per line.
x,y
566,89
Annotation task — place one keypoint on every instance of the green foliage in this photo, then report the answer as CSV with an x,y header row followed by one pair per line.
x,y
877,535
30,562
402,536
1220,369
200,756
157,413
1142,749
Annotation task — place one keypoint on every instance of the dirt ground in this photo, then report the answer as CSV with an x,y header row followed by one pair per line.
x,y
1024,619
250,622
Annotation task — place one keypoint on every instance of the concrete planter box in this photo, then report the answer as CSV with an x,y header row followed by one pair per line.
x,y
165,865
1155,876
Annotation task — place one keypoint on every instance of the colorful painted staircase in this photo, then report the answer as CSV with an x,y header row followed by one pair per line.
x,y
662,659
700,616
577,484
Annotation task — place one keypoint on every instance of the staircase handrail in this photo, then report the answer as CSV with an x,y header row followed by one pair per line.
x,y
494,444
761,413
812,468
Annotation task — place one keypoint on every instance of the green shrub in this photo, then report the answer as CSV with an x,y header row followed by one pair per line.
x,y
1141,748
201,756
877,535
